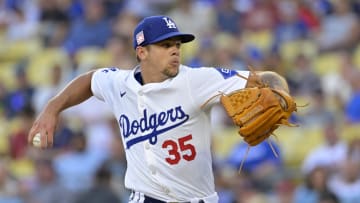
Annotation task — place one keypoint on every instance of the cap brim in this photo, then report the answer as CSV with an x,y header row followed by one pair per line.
x,y
183,37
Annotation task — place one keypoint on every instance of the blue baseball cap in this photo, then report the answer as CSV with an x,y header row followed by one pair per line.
x,y
157,28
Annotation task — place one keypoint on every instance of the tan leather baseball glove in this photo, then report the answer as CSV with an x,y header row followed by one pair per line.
x,y
258,111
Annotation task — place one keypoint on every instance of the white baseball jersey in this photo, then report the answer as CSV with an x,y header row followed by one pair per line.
x,y
166,134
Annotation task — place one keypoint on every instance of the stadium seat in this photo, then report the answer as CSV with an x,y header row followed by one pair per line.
x,y
41,64
189,51
326,63
261,40
357,56
22,168
91,57
15,51
224,141
290,50
350,132
4,132
7,75
297,142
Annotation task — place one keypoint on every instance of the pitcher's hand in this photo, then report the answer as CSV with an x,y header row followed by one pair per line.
x,y
45,124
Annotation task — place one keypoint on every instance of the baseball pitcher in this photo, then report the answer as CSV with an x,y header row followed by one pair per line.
x,y
163,111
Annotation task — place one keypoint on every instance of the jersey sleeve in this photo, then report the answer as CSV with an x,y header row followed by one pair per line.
x,y
102,82
207,82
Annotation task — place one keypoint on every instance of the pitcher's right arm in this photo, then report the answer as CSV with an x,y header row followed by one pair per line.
x,y
75,92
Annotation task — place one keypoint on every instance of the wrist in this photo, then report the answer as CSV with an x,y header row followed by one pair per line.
x,y
55,105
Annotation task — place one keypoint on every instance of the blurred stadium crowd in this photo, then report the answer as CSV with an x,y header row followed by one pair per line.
x,y
313,43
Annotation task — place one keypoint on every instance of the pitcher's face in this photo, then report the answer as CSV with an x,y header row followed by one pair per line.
x,y
164,56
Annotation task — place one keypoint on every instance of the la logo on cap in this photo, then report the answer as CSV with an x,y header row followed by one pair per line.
x,y
169,23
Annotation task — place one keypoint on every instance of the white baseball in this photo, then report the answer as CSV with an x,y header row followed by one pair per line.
x,y
37,140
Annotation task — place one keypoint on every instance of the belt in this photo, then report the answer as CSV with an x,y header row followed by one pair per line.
x,y
148,199
153,200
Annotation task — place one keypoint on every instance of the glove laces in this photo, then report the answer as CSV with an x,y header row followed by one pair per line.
x,y
248,150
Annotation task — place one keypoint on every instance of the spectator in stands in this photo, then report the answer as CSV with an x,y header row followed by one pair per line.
x,y
308,16
77,165
63,136
21,97
337,86
245,191
355,5
225,53
283,191
352,107
101,191
290,26
73,8
316,114
9,190
45,187
320,7
228,19
18,140
354,149
303,80
54,22
118,48
204,55
340,29
24,23
124,24
262,16
314,185
94,29
3,99
328,198
113,8
328,154
185,11
346,183
262,162
7,14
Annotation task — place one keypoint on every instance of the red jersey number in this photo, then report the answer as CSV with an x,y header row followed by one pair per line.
x,y
180,149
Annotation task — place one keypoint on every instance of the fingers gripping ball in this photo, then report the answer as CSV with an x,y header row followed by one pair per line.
x,y
258,111
37,140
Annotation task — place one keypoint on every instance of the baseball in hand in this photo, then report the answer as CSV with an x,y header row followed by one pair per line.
x,y
36,140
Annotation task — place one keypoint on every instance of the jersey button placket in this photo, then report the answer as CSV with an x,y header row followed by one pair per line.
x,y
141,104
149,158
